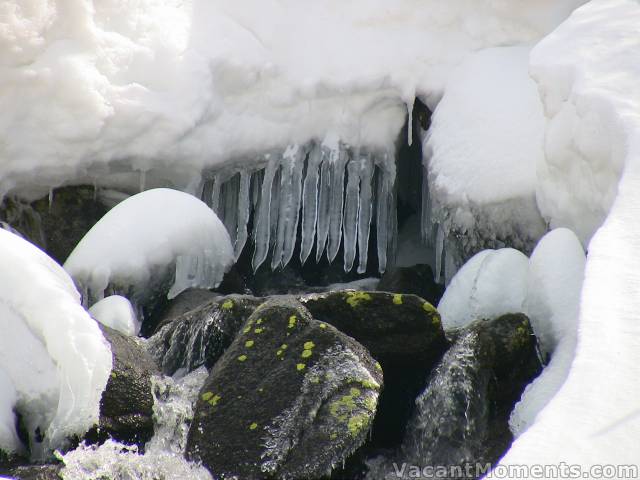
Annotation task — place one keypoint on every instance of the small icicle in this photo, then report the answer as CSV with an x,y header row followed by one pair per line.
x,y
310,202
244,205
324,202
439,251
350,225
366,208
50,198
338,163
215,193
262,227
410,121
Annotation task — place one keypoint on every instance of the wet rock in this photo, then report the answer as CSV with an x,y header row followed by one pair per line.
x,y
462,415
402,332
200,336
35,472
126,407
291,398
168,310
417,280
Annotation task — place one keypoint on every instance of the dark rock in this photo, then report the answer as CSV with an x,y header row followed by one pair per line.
x,y
36,472
167,311
462,416
126,407
402,332
290,398
22,219
417,280
200,336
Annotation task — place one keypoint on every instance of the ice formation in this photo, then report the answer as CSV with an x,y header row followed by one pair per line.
x,y
588,72
116,312
54,361
490,284
480,154
137,241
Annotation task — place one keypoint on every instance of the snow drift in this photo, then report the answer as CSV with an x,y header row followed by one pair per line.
x,y
54,361
151,236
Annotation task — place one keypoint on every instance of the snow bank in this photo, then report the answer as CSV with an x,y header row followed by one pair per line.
x,y
54,361
490,284
132,247
588,72
116,312
91,88
481,153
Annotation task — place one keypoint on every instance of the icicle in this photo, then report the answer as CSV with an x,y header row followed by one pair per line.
x,y
350,225
230,193
310,203
426,225
364,217
338,160
215,193
439,250
449,265
410,121
324,202
289,213
381,219
262,226
276,193
244,205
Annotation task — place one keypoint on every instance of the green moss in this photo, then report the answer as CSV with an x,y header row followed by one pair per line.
x,y
259,321
309,345
378,366
247,330
249,343
293,320
227,305
300,366
370,404
213,401
354,392
368,384
242,358
427,307
206,396
397,299
258,330
284,346
253,426
357,424
306,353
356,298
323,325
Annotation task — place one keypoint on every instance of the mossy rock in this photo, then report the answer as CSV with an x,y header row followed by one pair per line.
x,y
126,406
290,398
402,332
200,336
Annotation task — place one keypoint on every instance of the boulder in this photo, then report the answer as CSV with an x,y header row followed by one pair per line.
x,y
290,398
402,332
126,407
200,336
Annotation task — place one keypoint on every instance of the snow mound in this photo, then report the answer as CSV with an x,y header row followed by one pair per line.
x,y
480,155
54,361
91,88
116,312
490,284
136,243
588,73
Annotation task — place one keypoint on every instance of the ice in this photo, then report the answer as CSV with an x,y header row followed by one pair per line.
x,y
52,354
351,214
310,202
588,72
481,153
366,210
116,312
138,240
338,160
262,228
490,284
244,209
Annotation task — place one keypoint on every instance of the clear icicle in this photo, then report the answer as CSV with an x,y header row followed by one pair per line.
x,y
310,203
350,224
215,193
364,217
382,219
275,205
262,226
439,250
324,202
410,121
230,194
338,160
426,225
244,205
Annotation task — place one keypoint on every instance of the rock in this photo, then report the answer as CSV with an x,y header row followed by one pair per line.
x,y
402,332
462,416
291,398
417,280
36,472
126,407
167,311
200,336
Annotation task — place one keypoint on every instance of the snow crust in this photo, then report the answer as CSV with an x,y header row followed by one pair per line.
x,y
588,72
54,361
138,240
116,312
89,89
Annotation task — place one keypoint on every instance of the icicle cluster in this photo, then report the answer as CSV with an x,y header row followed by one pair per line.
x,y
328,191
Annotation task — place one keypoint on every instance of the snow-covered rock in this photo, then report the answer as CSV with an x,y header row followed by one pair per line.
x,y
116,312
139,244
54,361
492,283
588,74
481,153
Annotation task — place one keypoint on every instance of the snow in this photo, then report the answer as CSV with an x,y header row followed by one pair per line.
x,y
588,72
554,284
54,361
490,284
138,240
116,312
93,90
481,153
